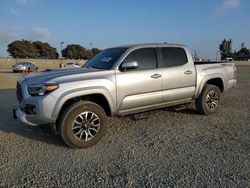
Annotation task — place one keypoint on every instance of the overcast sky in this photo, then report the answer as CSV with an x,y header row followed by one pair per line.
x,y
199,24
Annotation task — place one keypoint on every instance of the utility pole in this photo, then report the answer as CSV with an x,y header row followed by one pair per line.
x,y
61,48
61,64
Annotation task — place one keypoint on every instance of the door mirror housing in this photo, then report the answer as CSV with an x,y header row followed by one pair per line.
x,y
129,65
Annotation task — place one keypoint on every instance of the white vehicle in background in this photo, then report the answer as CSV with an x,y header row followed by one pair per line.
x,y
22,66
229,59
72,65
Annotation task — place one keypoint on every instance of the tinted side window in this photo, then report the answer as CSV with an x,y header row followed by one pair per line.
x,y
173,57
146,58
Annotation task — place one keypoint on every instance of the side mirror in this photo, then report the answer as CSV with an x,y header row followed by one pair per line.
x,y
129,65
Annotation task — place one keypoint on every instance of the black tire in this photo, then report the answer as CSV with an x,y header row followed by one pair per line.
x,y
68,128
205,104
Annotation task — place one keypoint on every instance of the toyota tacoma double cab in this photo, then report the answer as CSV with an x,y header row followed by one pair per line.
x,y
119,81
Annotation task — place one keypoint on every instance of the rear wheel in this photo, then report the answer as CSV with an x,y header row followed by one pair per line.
x,y
209,100
83,124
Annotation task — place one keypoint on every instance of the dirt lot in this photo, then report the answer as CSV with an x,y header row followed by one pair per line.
x,y
169,148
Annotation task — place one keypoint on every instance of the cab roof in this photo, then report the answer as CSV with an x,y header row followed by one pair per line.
x,y
144,45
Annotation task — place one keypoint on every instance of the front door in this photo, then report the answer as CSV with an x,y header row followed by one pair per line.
x,y
141,87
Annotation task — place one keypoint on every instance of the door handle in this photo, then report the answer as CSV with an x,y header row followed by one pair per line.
x,y
188,72
156,76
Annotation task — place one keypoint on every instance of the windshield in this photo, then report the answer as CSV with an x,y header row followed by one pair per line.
x,y
105,59
21,63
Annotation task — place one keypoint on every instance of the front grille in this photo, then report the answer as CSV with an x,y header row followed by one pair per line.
x,y
19,92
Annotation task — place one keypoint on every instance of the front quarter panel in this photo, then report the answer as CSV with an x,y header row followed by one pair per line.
x,y
104,83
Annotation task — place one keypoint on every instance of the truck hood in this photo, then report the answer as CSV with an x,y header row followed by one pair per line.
x,y
50,75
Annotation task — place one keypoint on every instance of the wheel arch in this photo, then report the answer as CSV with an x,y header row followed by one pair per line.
x,y
216,81
97,98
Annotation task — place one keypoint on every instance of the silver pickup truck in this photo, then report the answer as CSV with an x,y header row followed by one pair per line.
x,y
120,81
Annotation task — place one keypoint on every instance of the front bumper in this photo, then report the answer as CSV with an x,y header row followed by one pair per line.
x,y
41,117
20,115
33,110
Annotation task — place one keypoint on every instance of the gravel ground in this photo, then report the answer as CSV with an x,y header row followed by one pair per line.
x,y
169,149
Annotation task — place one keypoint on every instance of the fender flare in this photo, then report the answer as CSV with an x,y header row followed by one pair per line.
x,y
205,80
80,92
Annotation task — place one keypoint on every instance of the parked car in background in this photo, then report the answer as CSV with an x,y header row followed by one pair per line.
x,y
229,59
72,65
21,66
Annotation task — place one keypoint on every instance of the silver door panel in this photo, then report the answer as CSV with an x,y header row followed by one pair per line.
x,y
178,93
141,100
138,88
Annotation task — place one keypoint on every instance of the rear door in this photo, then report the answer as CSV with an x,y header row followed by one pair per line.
x,y
141,87
178,74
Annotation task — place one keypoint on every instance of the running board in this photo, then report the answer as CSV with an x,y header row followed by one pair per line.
x,y
182,107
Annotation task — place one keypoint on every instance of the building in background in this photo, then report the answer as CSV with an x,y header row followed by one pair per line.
x,y
226,51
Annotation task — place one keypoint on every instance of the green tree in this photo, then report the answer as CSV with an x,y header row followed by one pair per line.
x,y
87,54
74,51
27,49
22,49
90,53
45,51
95,51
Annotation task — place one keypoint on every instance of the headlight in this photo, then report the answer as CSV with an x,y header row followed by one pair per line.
x,y
42,89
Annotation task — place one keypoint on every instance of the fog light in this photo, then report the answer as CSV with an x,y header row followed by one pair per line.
x,y
30,109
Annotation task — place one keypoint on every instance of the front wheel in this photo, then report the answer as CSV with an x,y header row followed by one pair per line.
x,y
209,100
83,124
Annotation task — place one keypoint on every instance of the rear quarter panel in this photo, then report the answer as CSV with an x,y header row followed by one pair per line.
x,y
206,72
